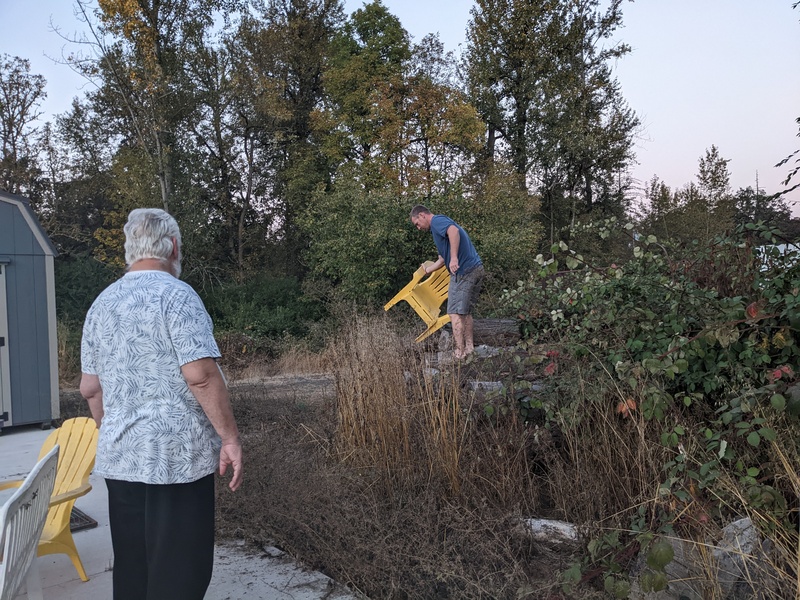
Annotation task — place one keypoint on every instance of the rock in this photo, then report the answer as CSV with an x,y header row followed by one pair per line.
x,y
739,559
742,558
445,341
684,574
552,531
484,351
486,386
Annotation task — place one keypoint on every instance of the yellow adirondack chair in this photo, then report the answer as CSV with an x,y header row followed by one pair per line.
x,y
426,298
78,441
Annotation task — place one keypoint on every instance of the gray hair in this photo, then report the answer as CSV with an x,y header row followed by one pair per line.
x,y
149,233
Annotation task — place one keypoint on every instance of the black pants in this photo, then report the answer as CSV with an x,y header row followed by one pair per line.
x,y
163,539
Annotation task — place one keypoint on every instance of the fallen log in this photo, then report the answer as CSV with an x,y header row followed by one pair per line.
x,y
496,332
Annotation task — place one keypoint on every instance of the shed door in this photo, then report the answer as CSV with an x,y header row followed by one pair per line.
x,y
5,378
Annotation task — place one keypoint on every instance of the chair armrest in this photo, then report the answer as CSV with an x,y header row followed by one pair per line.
x,y
71,495
10,483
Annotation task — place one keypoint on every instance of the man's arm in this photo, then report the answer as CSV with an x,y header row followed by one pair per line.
x,y
455,242
435,266
208,386
93,392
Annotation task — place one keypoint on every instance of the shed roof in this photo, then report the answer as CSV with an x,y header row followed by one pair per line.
x,y
24,206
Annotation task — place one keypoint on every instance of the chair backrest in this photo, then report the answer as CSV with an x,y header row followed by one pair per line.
x,y
78,440
426,296
22,519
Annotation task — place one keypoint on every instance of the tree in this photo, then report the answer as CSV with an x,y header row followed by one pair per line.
x,y
585,136
697,211
507,61
366,84
80,154
660,204
396,110
793,157
226,152
443,131
279,64
713,178
539,75
142,47
500,214
753,206
714,207
21,93
363,241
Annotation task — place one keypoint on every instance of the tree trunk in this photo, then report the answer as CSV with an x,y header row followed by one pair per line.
x,y
496,332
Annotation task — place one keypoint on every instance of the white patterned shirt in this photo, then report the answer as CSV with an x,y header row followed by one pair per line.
x,y
137,335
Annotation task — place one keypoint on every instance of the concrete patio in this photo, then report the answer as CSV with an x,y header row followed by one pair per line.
x,y
238,573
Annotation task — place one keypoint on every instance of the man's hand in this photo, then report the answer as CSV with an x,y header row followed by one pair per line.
x,y
438,264
231,454
453,265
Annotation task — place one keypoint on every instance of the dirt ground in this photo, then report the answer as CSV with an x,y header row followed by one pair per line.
x,y
338,520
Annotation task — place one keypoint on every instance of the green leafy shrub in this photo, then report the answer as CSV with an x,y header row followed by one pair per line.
x,y
695,343
262,307
79,280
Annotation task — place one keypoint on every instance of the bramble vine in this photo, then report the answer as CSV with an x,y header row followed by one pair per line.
x,y
698,340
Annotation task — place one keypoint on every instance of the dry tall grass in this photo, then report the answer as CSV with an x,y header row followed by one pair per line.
x,y
374,409
592,465
606,464
418,426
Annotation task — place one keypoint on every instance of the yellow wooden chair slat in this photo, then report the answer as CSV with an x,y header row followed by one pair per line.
x,y
426,296
78,441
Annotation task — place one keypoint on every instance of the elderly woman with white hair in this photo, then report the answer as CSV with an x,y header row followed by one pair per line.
x,y
151,379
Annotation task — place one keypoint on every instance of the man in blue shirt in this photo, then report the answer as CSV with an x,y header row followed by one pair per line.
x,y
457,253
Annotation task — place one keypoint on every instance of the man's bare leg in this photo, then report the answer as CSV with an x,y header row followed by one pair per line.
x,y
469,346
458,335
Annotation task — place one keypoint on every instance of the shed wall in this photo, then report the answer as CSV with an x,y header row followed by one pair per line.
x,y
30,339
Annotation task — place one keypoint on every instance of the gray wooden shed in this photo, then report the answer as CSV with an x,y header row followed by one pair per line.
x,y
28,346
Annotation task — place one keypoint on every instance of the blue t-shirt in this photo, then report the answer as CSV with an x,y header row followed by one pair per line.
x,y
468,257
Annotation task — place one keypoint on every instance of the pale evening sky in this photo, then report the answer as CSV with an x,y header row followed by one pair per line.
x,y
702,72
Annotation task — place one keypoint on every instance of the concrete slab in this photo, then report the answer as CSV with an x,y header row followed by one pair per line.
x,y
238,573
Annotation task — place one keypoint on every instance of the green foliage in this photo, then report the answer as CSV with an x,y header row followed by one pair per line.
x,y
702,340
753,206
539,75
363,241
21,94
79,280
365,80
262,307
705,209
660,554
501,218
